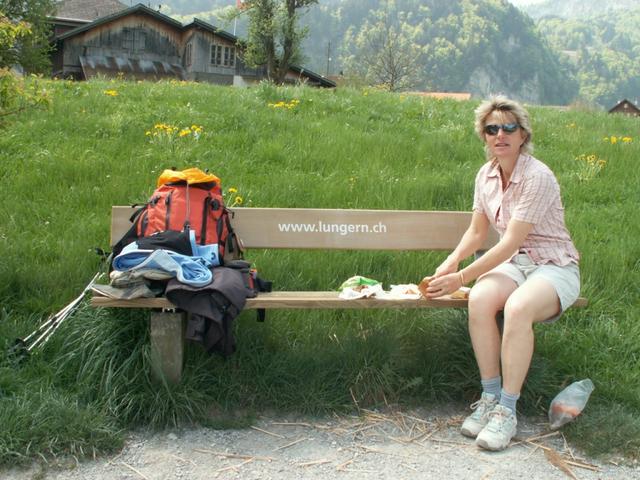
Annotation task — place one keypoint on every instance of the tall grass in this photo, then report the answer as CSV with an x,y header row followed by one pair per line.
x,y
64,168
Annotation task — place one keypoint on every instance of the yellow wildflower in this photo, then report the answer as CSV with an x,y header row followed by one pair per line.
x,y
614,139
238,200
184,132
111,93
283,104
590,166
627,139
232,190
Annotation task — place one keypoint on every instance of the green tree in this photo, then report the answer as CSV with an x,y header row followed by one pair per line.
x,y
31,50
10,34
385,52
15,94
274,37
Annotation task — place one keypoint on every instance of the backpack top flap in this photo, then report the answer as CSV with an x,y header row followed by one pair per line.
x,y
190,175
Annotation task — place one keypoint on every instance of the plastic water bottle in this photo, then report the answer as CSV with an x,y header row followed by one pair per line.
x,y
569,403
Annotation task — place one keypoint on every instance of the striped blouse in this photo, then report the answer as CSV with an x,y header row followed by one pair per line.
x,y
532,196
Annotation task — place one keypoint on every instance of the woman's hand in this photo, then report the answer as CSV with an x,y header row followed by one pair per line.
x,y
443,285
448,266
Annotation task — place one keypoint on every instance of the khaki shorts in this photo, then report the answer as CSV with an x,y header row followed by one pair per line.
x,y
565,280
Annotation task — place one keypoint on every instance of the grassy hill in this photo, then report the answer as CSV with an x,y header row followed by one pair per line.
x,y
63,168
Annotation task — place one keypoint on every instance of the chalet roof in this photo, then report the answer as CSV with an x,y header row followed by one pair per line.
x,y
625,106
322,81
139,8
87,10
197,23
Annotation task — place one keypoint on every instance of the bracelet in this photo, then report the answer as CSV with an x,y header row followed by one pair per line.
x,y
461,278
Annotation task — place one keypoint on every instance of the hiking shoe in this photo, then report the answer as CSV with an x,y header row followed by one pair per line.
x,y
499,430
475,422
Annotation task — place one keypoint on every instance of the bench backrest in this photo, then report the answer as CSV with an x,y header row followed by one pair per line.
x,y
337,229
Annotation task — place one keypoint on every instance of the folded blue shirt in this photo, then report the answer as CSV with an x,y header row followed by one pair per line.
x,y
191,270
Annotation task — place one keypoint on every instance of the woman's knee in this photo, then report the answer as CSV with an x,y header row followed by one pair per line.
x,y
518,315
483,304
516,308
490,293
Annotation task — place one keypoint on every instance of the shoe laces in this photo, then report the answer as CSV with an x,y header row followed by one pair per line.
x,y
498,418
481,407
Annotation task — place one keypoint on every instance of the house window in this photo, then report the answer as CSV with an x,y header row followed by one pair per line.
x,y
187,55
105,38
223,56
229,56
127,38
216,54
141,40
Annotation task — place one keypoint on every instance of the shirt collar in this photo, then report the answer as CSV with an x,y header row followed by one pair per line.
x,y
518,171
494,169
516,176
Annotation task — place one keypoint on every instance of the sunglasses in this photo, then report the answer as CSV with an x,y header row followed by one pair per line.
x,y
507,128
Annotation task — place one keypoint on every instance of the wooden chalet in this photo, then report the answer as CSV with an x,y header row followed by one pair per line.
x,y
627,108
141,43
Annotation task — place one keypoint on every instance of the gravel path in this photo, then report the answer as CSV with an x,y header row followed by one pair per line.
x,y
396,444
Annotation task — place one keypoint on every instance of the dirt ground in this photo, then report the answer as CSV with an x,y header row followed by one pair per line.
x,y
398,444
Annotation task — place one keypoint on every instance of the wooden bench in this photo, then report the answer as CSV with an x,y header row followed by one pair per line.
x,y
302,228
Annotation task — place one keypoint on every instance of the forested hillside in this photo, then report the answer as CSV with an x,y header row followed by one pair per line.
x,y
605,51
481,47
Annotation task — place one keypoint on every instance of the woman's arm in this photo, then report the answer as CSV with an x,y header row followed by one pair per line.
x,y
470,242
513,238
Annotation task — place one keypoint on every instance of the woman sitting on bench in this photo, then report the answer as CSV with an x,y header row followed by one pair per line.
x,y
531,273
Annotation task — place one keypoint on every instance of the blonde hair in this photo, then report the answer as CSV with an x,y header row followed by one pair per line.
x,y
503,104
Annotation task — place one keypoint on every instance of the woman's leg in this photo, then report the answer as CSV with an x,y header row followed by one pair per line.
x,y
487,297
534,301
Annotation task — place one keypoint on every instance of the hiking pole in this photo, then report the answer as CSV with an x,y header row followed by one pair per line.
x,y
60,317
22,347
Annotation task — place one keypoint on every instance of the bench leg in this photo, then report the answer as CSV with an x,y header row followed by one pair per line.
x,y
167,344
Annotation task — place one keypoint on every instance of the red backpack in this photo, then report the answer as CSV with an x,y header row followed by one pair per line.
x,y
184,200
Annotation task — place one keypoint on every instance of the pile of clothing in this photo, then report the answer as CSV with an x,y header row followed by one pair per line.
x,y
190,276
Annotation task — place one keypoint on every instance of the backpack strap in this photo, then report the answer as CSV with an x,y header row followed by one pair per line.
x,y
262,285
234,249
130,235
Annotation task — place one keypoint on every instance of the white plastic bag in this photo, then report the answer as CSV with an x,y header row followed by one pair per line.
x,y
569,403
364,291
401,292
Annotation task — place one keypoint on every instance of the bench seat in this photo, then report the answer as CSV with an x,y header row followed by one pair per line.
x,y
303,300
